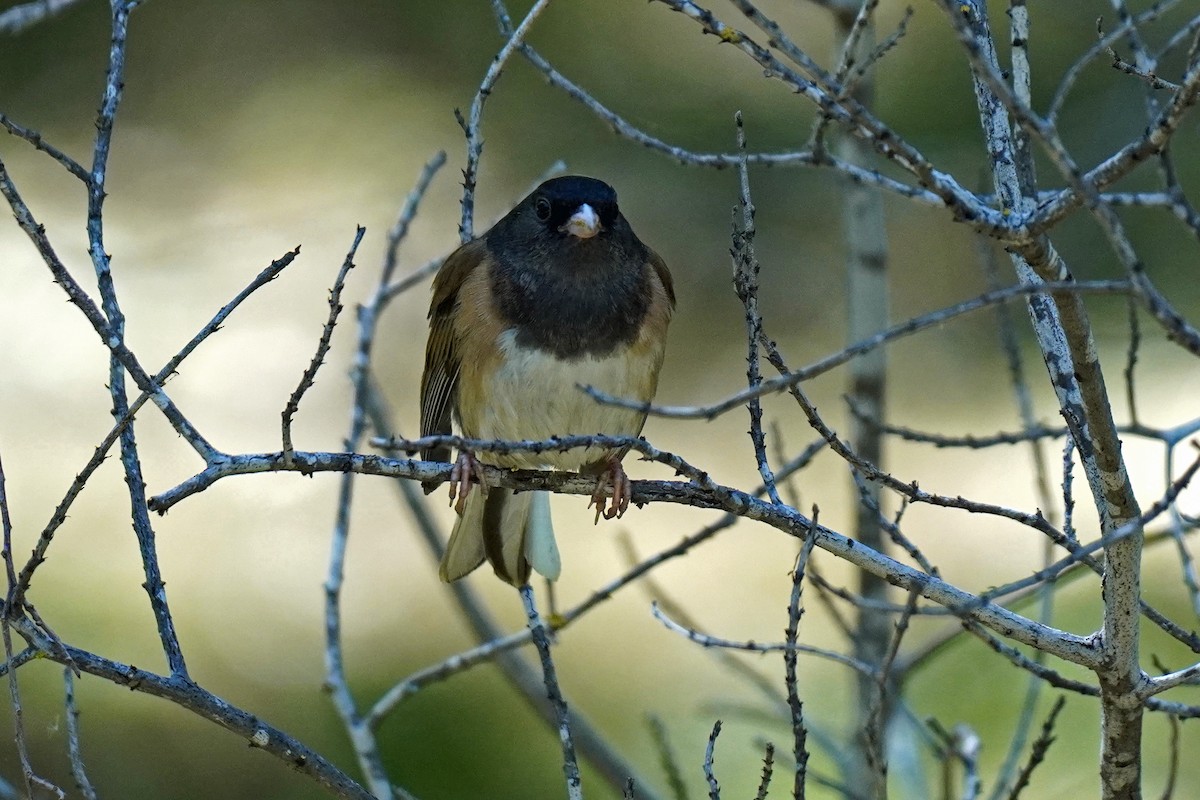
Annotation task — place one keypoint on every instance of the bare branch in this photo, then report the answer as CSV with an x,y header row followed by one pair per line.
x,y
1072,648
34,138
1067,82
790,679
857,120
471,124
745,282
6,622
1151,80
310,374
16,19
898,331
60,512
751,646
359,729
767,770
130,458
667,757
542,641
188,695
1040,747
73,747
714,788
37,234
408,212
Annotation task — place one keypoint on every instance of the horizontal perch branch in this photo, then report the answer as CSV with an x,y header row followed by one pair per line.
x,y
1070,647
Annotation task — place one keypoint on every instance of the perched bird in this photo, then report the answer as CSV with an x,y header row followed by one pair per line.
x,y
559,293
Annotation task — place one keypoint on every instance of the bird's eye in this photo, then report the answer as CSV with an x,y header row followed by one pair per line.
x,y
541,207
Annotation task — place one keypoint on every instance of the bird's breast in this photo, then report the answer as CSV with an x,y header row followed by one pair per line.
x,y
534,394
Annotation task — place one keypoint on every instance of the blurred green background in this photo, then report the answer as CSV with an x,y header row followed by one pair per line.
x,y
250,127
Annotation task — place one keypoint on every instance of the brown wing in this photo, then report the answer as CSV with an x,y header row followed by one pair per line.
x,y
442,360
664,275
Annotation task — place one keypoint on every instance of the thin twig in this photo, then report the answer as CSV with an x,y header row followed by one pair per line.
x,y
1191,582
188,695
6,622
471,124
16,19
1173,763
678,612
496,644
524,677
1067,82
1040,747
869,503
900,330
310,374
682,155
542,641
98,456
790,678
745,282
878,715
667,757
360,730
820,88
101,261
714,788
1151,80
752,646
73,747
398,233
768,769
34,138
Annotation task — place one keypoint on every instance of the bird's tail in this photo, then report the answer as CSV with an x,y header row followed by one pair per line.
x,y
512,531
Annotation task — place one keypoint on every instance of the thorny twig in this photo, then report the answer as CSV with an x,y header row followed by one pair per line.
x,y
310,373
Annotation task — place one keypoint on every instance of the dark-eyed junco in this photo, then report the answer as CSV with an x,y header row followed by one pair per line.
x,y
559,293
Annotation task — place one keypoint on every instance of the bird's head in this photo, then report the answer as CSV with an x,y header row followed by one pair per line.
x,y
573,205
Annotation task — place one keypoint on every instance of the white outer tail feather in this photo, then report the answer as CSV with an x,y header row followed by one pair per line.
x,y
526,530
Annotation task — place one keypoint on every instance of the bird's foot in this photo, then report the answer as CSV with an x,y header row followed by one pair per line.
x,y
465,468
622,492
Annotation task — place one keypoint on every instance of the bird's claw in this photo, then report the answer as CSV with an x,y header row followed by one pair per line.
x,y
622,492
465,468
